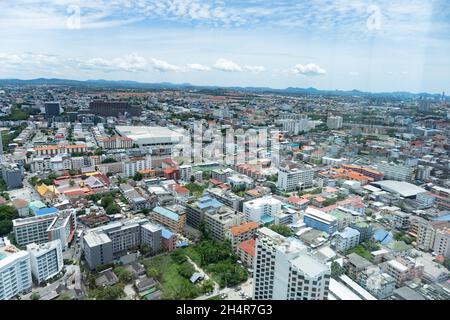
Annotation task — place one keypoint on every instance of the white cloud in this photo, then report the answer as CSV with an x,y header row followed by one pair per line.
x,y
198,67
164,66
132,63
353,73
28,59
255,69
309,69
227,65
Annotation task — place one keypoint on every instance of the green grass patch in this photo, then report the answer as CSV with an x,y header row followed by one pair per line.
x,y
173,285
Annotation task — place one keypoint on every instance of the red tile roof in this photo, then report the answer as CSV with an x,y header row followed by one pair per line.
x,y
248,246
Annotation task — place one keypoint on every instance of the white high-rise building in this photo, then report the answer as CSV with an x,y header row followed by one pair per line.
x,y
265,206
283,270
290,179
396,172
441,244
15,272
130,167
185,172
46,259
334,122
296,123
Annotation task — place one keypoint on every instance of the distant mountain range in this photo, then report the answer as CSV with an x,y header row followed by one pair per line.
x,y
124,84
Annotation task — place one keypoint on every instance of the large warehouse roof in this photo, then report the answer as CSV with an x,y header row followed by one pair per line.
x,y
405,189
149,135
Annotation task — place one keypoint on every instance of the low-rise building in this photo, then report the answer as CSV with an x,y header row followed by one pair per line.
x,y
347,239
246,252
172,217
355,265
240,233
320,220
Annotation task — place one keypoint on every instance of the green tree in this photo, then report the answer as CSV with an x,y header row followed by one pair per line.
x,y
138,176
281,229
6,227
109,160
107,201
207,285
110,293
35,296
7,214
336,270
153,273
447,263
112,209
123,274
186,269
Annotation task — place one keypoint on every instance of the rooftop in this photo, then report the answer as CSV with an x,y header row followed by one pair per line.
x,y
245,227
405,189
139,133
248,246
167,213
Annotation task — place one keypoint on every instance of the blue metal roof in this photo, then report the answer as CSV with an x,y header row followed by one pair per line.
x,y
36,205
182,244
45,211
266,218
167,213
445,217
349,232
166,234
383,236
208,202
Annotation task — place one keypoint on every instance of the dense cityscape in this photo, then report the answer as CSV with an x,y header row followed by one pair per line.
x,y
132,193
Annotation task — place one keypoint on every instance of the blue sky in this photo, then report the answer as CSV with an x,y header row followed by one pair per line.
x,y
340,44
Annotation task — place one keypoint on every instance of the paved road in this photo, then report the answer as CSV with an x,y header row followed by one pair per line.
x,y
232,294
207,277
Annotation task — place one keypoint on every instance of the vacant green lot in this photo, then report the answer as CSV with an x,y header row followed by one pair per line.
x,y
173,285
218,260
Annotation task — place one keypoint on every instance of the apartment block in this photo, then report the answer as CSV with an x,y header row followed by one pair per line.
x,y
283,270
102,245
15,272
46,259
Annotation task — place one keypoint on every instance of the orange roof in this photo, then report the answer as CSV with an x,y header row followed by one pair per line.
x,y
248,246
358,176
76,146
297,200
181,189
245,227
145,171
215,181
319,199
168,170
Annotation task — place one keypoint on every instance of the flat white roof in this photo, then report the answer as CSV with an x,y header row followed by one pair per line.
x,y
356,287
149,135
309,265
342,292
319,214
397,265
405,189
